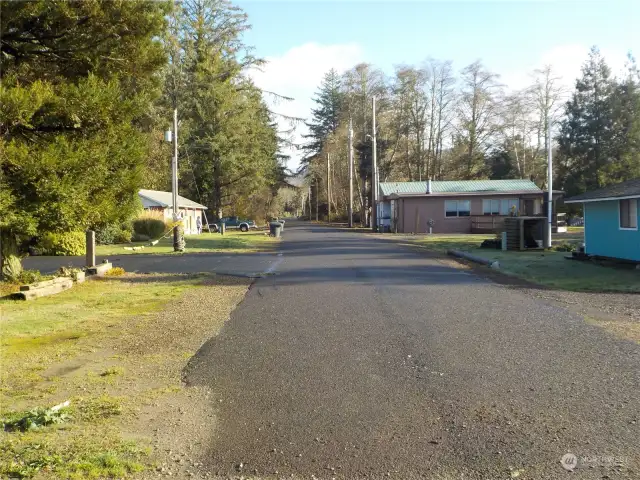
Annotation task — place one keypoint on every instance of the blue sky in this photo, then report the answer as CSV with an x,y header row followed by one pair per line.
x,y
303,39
502,33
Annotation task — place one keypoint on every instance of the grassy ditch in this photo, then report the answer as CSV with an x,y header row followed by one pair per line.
x,y
549,268
114,349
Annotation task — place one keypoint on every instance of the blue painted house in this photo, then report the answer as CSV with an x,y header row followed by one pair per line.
x,y
611,220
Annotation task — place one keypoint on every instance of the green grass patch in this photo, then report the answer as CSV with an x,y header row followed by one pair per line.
x,y
231,241
77,455
65,346
98,408
82,440
554,270
442,243
547,268
51,329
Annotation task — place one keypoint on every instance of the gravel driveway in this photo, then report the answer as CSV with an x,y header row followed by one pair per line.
x,y
364,360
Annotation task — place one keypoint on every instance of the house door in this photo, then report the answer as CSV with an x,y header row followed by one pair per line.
x,y
528,208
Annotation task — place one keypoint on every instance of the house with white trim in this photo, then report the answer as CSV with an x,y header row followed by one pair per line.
x,y
155,200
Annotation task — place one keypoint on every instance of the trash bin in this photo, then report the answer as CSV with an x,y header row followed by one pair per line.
x,y
275,228
277,220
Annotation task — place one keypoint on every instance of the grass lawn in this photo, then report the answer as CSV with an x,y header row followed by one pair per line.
x,y
113,347
232,241
547,268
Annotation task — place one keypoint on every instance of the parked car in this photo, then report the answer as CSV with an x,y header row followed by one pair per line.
x,y
232,222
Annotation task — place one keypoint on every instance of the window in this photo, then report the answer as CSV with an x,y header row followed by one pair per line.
x,y
457,208
491,207
499,207
629,214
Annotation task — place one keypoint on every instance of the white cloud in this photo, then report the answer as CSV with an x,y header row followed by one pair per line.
x,y
298,73
566,61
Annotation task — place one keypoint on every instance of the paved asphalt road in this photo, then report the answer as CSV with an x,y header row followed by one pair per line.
x,y
245,264
364,360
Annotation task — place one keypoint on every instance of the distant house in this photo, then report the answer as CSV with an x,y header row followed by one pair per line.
x,y
611,220
464,206
163,202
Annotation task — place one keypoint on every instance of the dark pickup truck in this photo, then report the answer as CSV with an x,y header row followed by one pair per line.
x,y
232,222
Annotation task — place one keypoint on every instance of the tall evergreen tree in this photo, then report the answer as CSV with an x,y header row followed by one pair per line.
x,y
228,139
77,82
626,100
326,117
587,141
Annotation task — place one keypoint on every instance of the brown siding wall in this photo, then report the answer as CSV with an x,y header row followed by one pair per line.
x,y
433,208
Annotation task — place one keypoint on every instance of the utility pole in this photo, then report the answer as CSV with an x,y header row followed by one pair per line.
x,y
550,185
328,189
350,174
317,196
374,173
178,241
309,201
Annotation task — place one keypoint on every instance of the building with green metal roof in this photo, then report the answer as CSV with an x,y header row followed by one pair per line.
x,y
457,206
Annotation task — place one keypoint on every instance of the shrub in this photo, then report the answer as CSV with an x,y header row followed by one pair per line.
x,y
114,272
564,247
138,237
105,235
12,268
67,243
34,419
123,236
151,227
30,276
113,233
69,272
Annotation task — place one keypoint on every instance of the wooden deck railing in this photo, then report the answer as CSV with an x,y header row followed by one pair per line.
x,y
487,224
495,223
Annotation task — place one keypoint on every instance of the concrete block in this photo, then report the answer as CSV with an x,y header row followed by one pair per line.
x,y
44,291
100,270
45,283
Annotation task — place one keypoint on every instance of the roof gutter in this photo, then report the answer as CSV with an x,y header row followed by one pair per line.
x,y
603,199
471,194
